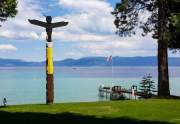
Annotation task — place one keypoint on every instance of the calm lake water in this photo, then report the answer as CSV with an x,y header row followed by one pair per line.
x,y
26,85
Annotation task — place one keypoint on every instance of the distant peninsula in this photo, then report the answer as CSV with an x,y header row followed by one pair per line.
x,y
93,61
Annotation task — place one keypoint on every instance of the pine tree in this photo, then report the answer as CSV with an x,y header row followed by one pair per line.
x,y
147,86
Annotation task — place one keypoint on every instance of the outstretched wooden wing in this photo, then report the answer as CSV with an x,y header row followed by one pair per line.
x,y
38,23
59,24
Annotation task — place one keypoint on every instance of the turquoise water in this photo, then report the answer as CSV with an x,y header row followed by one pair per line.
x,y
27,85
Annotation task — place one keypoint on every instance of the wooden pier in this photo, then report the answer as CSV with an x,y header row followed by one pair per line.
x,y
117,92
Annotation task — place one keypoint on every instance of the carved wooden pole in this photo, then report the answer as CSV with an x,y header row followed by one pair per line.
x,y
49,55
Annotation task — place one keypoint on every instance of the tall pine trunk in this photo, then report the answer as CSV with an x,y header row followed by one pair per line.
x,y
163,75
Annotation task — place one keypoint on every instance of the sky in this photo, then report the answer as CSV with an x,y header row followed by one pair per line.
x,y
90,32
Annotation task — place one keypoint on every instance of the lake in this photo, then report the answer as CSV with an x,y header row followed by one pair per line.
x,y
26,85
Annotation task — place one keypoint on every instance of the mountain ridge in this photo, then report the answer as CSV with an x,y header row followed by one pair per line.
x,y
94,61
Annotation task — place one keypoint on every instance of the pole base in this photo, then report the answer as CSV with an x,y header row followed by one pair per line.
x,y
50,89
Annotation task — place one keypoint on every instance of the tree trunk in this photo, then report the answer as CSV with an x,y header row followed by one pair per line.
x,y
163,75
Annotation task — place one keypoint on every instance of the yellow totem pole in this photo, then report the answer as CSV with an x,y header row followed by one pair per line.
x,y
49,55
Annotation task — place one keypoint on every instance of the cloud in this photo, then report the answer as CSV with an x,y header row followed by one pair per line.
x,y
75,54
19,28
86,5
7,47
90,27
92,16
133,46
19,35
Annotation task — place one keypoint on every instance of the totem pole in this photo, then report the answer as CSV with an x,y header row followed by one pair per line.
x,y
49,54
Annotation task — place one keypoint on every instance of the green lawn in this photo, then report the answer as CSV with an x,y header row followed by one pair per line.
x,y
128,111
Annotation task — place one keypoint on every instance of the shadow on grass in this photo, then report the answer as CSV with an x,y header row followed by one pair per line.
x,y
66,118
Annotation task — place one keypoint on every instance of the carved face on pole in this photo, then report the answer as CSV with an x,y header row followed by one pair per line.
x,y
48,19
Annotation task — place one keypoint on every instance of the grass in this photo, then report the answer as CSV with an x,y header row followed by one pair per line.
x,y
160,111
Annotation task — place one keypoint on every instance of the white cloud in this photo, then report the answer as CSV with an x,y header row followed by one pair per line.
x,y
19,35
19,27
90,25
75,54
92,16
86,5
133,46
7,47
84,23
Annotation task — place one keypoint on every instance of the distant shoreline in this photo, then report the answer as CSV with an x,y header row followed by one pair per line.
x,y
86,67
94,62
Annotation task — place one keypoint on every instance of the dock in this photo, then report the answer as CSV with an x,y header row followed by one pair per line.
x,y
117,92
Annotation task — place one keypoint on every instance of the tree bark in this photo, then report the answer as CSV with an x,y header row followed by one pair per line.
x,y
163,74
